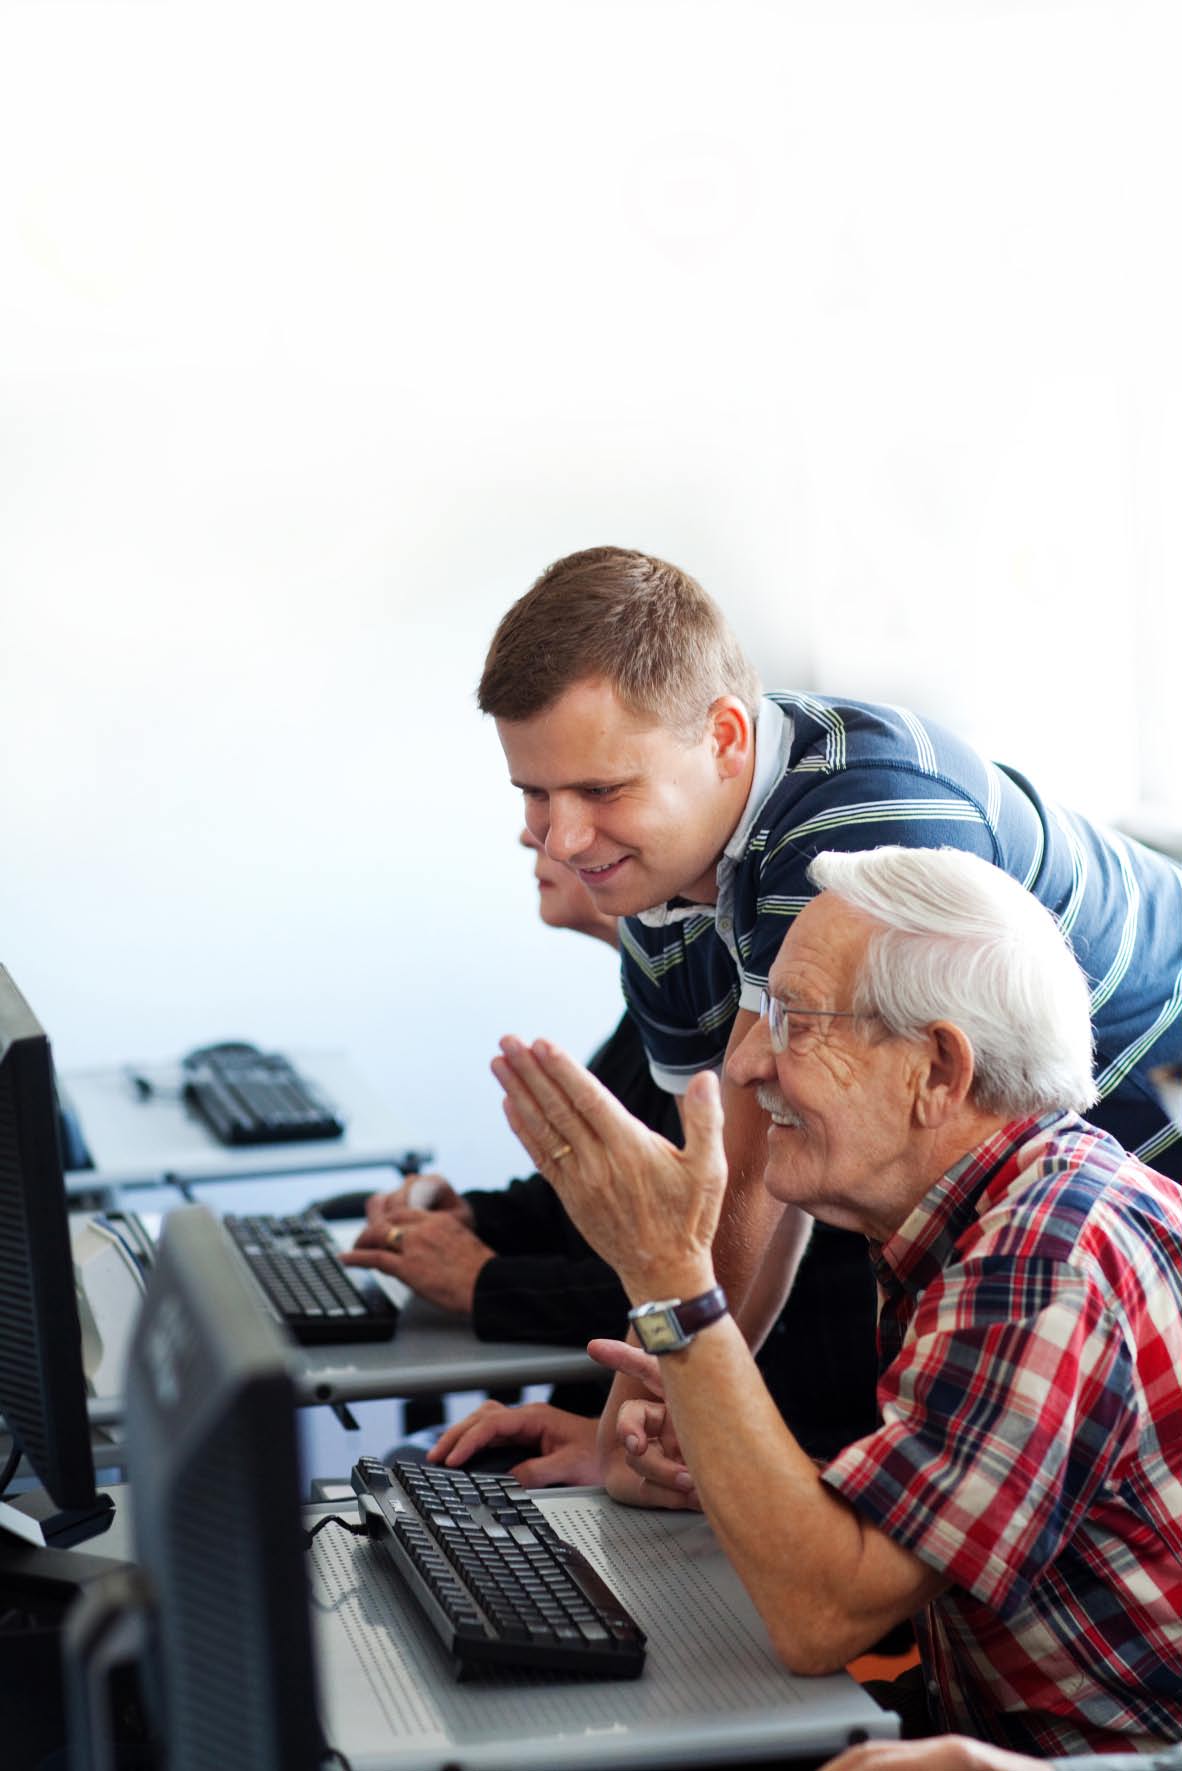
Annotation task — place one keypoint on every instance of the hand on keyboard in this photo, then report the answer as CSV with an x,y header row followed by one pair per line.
x,y
431,1251
563,1446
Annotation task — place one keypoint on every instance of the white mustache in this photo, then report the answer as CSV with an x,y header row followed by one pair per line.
x,y
773,1102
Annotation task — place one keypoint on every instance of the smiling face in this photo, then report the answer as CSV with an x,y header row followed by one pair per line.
x,y
637,814
844,1141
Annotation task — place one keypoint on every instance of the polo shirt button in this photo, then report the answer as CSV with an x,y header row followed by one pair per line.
x,y
725,924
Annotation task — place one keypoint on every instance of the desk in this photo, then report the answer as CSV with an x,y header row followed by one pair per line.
x,y
432,1354
137,1140
712,1691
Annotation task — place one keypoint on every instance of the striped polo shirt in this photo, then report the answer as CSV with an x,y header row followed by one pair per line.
x,y
835,774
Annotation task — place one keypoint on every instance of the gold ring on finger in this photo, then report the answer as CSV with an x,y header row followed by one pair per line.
x,y
560,1154
394,1237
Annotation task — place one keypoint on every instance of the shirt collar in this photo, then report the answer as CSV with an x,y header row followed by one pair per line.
x,y
922,1245
773,741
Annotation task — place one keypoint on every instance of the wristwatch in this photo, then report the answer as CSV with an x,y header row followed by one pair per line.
x,y
669,1325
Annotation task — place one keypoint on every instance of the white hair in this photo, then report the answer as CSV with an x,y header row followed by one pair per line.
x,y
963,942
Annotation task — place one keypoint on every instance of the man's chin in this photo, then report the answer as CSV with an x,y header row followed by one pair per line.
x,y
623,892
782,1173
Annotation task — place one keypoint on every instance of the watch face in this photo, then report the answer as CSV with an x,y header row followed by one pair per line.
x,y
660,1331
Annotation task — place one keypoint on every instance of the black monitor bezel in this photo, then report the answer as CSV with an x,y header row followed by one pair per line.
x,y
42,1378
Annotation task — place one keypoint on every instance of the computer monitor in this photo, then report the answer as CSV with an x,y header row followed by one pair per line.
x,y
215,1506
42,1384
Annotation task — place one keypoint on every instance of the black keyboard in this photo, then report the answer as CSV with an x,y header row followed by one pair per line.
x,y
492,1576
295,1262
246,1096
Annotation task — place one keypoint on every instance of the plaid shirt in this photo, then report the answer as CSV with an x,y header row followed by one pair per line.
x,y
1030,1347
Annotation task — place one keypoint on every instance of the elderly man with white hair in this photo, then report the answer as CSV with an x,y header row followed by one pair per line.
x,y
924,1055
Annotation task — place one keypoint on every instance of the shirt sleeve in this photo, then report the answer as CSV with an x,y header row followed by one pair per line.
x,y
1003,1414
682,992
523,1218
549,1299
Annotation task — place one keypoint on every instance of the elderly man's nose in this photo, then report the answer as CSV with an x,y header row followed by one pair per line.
x,y
752,1060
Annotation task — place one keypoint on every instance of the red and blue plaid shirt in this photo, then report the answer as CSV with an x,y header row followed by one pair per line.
x,y
1030,1345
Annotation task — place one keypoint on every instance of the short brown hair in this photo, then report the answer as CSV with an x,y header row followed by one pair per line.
x,y
642,625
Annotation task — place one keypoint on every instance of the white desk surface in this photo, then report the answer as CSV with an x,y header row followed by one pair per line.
x,y
136,1140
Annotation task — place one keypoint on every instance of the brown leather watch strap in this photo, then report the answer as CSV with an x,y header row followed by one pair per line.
x,y
701,1311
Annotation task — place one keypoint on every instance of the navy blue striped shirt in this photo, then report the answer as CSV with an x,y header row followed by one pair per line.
x,y
834,774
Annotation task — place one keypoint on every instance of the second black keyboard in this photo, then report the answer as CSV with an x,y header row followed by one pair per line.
x,y
492,1576
294,1261
246,1096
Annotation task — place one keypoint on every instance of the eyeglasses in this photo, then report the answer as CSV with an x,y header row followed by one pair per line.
x,y
795,1029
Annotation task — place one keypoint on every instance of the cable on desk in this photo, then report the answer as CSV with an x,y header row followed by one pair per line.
x,y
333,1519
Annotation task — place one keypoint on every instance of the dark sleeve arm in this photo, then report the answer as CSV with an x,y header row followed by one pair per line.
x,y
523,1218
548,1298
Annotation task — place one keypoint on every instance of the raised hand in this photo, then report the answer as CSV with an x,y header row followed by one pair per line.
x,y
646,1207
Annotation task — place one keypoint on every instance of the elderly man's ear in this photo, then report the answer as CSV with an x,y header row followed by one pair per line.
x,y
944,1076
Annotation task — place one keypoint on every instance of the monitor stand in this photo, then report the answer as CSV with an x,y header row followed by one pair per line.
x,y
38,1586
33,1517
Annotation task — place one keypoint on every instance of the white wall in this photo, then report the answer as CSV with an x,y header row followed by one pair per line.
x,y
324,328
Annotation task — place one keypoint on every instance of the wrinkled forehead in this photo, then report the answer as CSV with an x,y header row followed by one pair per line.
x,y
820,957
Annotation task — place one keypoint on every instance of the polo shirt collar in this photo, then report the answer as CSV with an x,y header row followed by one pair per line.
x,y
773,741
923,1244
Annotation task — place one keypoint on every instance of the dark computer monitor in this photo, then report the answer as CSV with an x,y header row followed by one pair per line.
x,y
215,1506
42,1384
